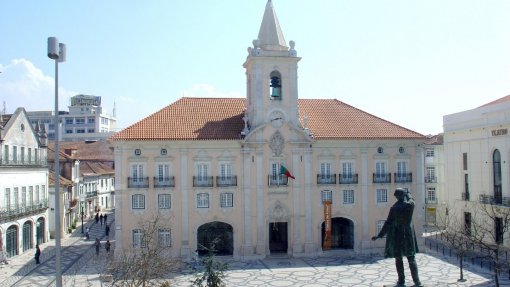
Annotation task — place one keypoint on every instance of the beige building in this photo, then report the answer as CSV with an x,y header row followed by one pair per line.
x,y
214,167
476,148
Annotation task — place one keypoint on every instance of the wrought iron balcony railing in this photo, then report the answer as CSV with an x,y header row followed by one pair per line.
x,y
494,199
162,182
382,177
431,200
277,180
348,178
223,181
430,179
138,182
326,178
13,212
90,194
403,177
203,181
24,162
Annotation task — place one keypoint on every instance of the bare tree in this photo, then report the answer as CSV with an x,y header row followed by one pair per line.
x,y
148,259
456,235
489,230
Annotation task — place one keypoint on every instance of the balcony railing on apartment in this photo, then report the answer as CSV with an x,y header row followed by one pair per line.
x,y
349,178
277,180
13,212
203,181
431,201
382,178
403,177
465,196
326,178
90,194
138,182
24,162
223,181
430,179
495,200
162,182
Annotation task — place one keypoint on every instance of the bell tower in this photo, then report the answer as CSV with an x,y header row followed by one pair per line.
x,y
271,75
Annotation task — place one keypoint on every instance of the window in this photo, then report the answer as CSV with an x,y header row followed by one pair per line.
x,y
382,195
69,121
6,153
498,230
429,152
31,195
401,150
325,170
24,196
380,169
7,197
164,201
497,178
467,223
69,131
164,237
401,169
227,199
326,195
379,226
91,130
80,131
80,121
163,172
91,120
138,201
137,172
347,169
465,195
138,240
202,172
37,195
430,174
203,200
348,196
22,154
225,171
431,195
15,154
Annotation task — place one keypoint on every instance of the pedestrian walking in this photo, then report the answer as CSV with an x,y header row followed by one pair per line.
x,y
87,235
104,218
37,254
107,230
97,217
98,245
101,219
107,246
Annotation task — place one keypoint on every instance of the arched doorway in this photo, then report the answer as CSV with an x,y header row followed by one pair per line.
x,y
39,231
342,233
27,236
11,238
217,237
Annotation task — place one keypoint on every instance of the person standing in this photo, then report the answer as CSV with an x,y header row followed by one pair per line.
x,y
107,230
98,245
107,246
101,219
97,217
400,236
104,218
37,254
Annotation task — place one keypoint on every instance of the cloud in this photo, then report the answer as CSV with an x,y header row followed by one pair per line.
x,y
24,85
208,91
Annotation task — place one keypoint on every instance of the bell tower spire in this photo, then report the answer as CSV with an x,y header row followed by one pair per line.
x,y
271,72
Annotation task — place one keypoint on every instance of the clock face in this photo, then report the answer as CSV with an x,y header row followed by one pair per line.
x,y
277,119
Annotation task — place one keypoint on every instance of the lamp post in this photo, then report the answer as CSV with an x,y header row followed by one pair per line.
x,y
57,52
82,202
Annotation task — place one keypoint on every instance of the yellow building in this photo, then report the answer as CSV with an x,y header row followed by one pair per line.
x,y
214,167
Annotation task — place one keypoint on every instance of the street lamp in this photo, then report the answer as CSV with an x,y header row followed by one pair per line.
x,y
57,52
82,201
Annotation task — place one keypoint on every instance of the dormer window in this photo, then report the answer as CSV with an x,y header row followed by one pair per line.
x,y
275,86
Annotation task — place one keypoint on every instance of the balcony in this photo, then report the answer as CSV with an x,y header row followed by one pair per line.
x,y
203,181
162,182
24,162
14,212
381,178
90,194
138,182
326,178
224,181
430,179
403,177
277,180
431,201
350,178
494,200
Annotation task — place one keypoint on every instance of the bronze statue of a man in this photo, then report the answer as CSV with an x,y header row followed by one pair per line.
x,y
400,236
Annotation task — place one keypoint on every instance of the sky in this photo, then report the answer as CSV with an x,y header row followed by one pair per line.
x,y
409,62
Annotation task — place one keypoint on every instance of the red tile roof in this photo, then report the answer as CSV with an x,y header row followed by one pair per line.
x,y
221,119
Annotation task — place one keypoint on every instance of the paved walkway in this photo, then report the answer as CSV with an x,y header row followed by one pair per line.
x,y
81,267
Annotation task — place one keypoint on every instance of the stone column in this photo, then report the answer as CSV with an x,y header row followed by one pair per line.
x,y
247,246
261,209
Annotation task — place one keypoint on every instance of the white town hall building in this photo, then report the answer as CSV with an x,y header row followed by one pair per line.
x,y
212,168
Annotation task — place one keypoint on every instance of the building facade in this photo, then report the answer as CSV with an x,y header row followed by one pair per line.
x,y
476,148
266,174
85,120
23,184
435,199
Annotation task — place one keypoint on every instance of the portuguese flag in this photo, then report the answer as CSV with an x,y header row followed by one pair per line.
x,y
286,172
